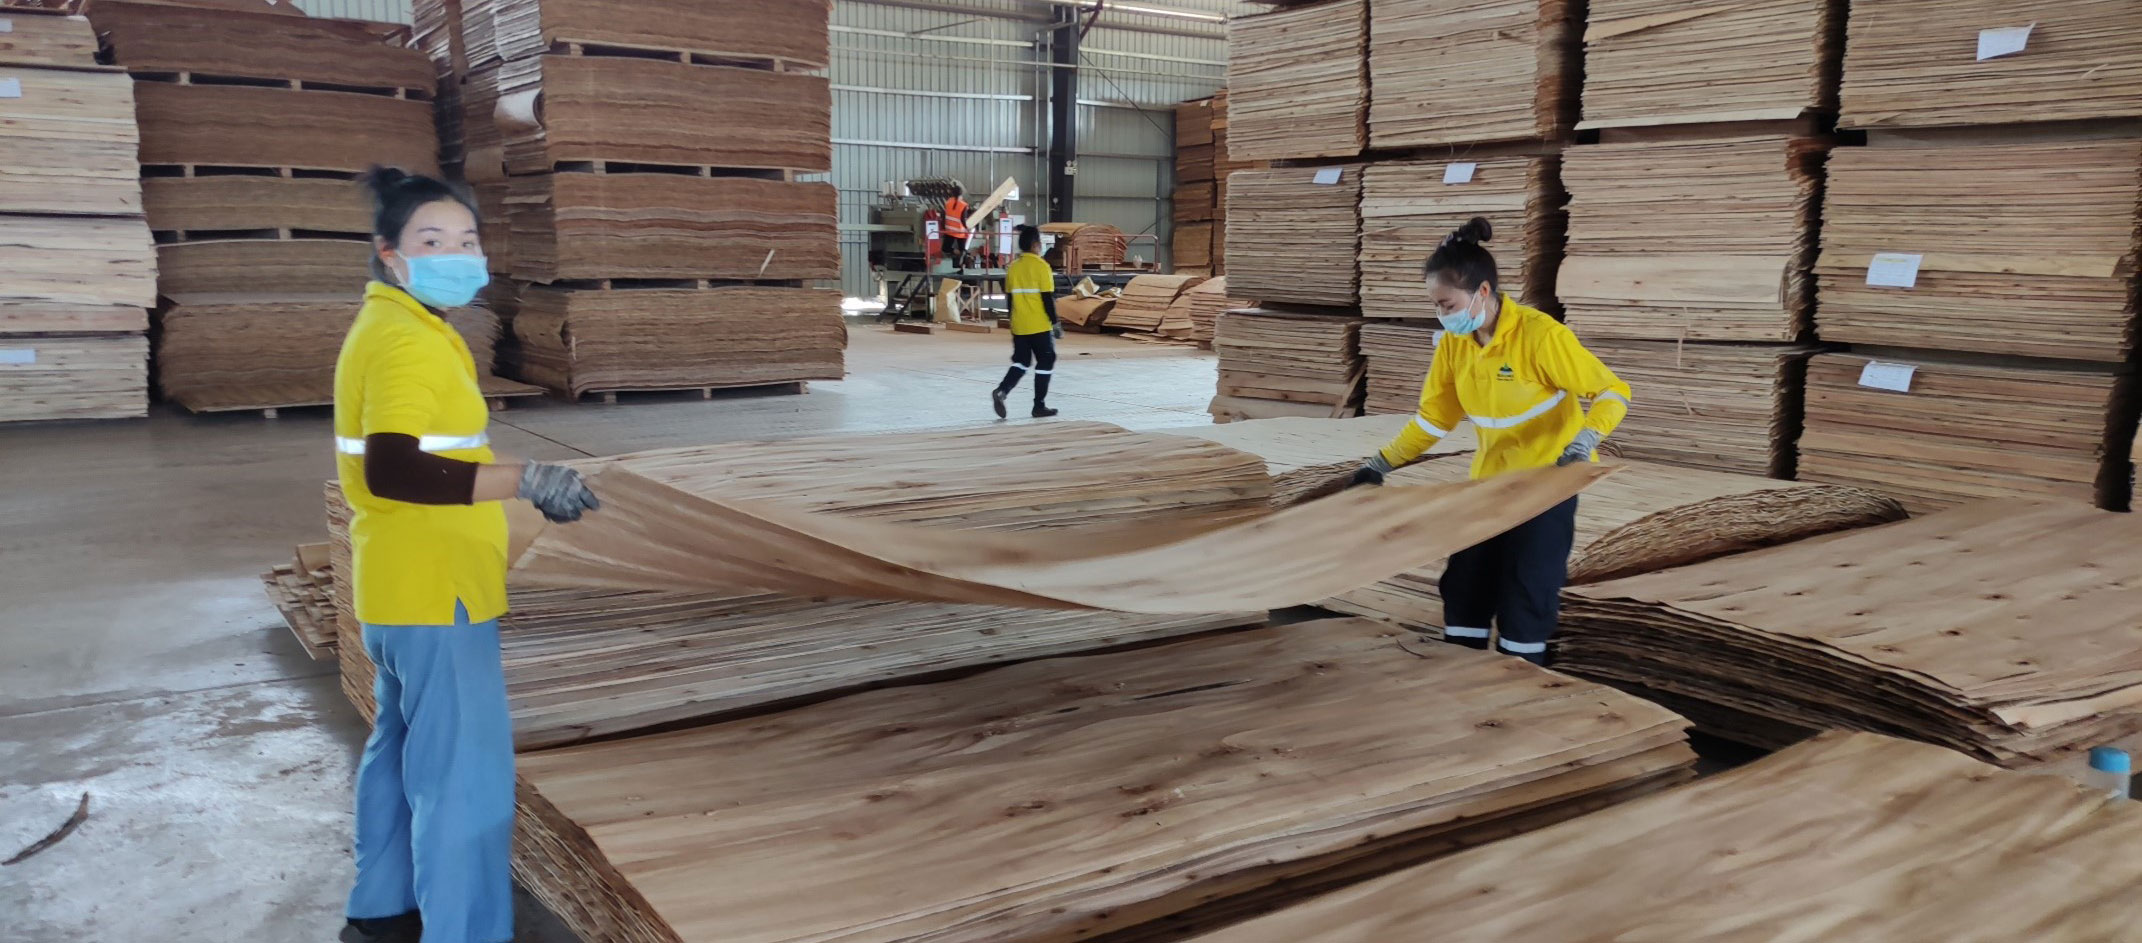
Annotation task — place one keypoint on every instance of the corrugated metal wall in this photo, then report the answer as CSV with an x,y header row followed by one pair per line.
x,y
955,88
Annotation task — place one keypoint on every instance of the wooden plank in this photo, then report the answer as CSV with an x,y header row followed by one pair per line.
x,y
1293,239
1654,62
1297,82
1409,207
1854,823
680,114
247,202
1471,71
74,377
160,37
69,143
1969,628
1914,63
239,126
658,225
1378,744
790,30
574,341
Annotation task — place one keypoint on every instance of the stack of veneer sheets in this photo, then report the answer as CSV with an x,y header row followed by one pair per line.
x,y
1409,207
1297,86
1196,198
1146,299
1081,246
303,590
584,663
1661,62
1987,230
1854,837
253,125
1249,770
1204,304
2008,630
1646,517
1086,312
1911,63
1302,359
1302,453
1471,71
580,341
681,212
77,269
1726,407
1937,430
1398,355
1224,163
1292,234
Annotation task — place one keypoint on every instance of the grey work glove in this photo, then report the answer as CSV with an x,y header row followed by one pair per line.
x,y
1056,330
1371,471
557,491
1579,448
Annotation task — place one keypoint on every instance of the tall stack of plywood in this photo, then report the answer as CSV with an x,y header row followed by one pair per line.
x,y
1456,72
77,269
1224,163
253,127
1196,198
1981,252
684,210
1297,82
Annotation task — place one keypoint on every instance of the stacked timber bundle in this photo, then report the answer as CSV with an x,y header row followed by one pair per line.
x,y
1398,356
1299,359
1725,407
1409,207
1851,825
1224,163
303,591
1471,71
1297,86
1660,62
2054,228
691,190
1304,454
77,268
1644,518
1938,430
572,674
1078,247
1195,200
253,124
1293,233
1385,758
578,342
1973,628
1205,303
1696,240
1145,301
1911,63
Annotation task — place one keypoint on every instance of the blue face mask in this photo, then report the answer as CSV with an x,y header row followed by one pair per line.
x,y
446,281
1463,322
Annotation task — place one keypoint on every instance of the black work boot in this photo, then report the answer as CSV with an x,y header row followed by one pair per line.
x,y
404,928
996,400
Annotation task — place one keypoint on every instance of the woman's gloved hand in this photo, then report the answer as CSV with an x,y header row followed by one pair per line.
x,y
557,491
1580,448
1371,471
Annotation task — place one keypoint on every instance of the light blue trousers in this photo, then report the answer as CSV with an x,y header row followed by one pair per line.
x,y
435,789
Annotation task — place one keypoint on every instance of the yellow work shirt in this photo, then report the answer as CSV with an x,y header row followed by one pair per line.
x,y
1028,280
404,370
1522,392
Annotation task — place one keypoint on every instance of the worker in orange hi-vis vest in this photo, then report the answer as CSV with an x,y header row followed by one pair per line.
x,y
956,226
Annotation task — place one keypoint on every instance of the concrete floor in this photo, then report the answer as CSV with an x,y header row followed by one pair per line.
x,y
141,663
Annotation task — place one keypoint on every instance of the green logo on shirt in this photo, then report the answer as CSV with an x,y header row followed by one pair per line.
x,y
1504,373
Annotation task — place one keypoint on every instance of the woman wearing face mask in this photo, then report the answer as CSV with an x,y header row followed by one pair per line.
x,y
435,787
1519,377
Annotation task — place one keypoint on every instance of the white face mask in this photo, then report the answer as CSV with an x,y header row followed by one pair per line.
x,y
1464,321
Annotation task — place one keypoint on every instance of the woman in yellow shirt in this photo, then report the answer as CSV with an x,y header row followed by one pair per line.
x,y
1520,377
428,530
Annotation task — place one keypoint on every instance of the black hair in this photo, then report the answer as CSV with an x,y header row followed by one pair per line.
x,y
396,194
1462,261
1029,238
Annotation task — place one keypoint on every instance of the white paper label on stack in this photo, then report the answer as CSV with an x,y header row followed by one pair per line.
x,y
10,87
1894,270
22,357
1329,175
1459,173
1894,377
2007,41
6,25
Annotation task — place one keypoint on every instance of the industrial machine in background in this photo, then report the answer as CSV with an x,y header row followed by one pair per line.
x,y
907,248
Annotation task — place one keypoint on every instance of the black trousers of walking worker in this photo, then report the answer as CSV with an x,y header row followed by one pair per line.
x,y
1036,351
1513,582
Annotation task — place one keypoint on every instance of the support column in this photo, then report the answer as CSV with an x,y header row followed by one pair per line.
x,y
1063,114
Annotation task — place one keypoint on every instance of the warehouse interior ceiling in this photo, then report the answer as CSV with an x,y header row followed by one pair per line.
x,y
959,88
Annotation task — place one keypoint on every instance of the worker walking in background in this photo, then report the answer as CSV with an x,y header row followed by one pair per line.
x,y
1032,287
435,786
1519,377
955,237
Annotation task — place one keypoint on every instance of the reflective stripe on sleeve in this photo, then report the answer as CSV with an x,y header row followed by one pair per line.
x,y
1610,394
1511,422
1429,427
1026,291
1522,648
429,443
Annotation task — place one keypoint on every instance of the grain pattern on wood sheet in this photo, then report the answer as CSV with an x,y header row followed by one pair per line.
x,y
253,351
74,377
1297,86
1914,63
1205,302
1853,838
69,143
230,43
1648,517
77,260
1302,454
1061,799
570,108
264,266
1144,304
657,225
239,126
792,30
1471,71
253,202
1725,407
1293,358
1972,628
1409,207
51,42
1656,62
1293,232
577,340
1398,355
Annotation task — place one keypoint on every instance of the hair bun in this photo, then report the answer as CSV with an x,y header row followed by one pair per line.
x,y
1475,230
380,181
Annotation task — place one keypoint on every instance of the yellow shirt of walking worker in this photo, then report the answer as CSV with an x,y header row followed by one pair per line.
x,y
404,370
1028,280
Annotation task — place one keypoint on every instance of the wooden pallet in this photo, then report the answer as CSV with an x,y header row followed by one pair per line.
x,y
299,85
688,56
610,397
